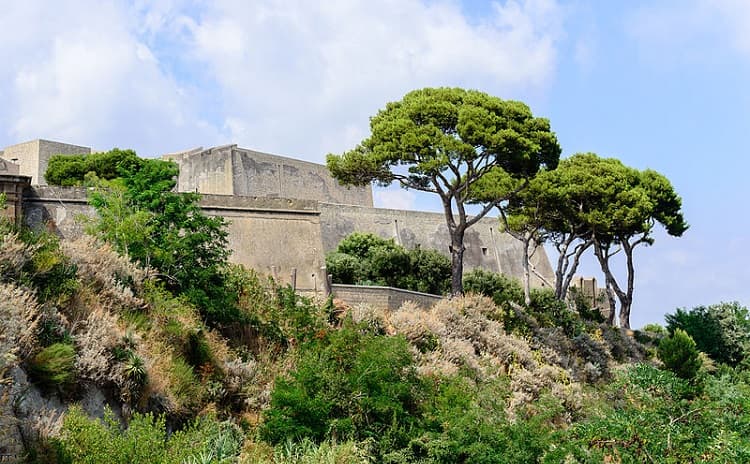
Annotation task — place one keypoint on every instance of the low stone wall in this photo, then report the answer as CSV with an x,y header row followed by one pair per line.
x,y
387,298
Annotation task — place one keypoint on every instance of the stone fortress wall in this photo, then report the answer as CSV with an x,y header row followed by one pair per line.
x,y
284,214
33,156
229,170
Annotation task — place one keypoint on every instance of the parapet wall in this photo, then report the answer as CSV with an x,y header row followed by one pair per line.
x,y
33,157
229,170
271,235
486,247
386,298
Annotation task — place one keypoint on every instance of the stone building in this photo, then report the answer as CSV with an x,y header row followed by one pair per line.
x,y
284,214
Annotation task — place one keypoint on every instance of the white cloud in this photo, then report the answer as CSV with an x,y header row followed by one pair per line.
x,y
84,76
394,198
691,30
303,78
297,78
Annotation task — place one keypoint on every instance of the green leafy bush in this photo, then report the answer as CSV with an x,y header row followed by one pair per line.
x,y
722,331
71,170
145,440
651,415
500,288
349,383
363,258
680,355
142,217
54,366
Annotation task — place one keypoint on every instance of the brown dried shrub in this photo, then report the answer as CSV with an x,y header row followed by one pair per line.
x,y
19,320
96,338
14,254
113,277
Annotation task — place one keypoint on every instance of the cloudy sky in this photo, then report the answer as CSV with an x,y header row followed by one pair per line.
x,y
659,84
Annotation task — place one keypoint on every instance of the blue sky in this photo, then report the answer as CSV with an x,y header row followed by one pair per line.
x,y
658,84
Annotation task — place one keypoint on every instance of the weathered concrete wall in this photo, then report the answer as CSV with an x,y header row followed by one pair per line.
x,y
265,234
13,186
205,171
485,247
33,156
57,209
273,235
229,170
8,168
387,298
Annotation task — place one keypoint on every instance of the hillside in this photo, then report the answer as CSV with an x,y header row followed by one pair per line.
x,y
87,335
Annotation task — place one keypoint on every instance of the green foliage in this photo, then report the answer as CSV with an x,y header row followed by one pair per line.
x,y
143,218
309,452
679,354
71,170
545,310
54,366
145,440
364,258
466,422
650,415
349,383
462,145
34,259
722,331
502,289
344,268
50,272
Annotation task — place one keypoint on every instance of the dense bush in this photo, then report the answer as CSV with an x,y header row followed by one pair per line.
x,y
363,258
722,331
679,354
71,170
141,216
544,311
651,415
349,383
54,366
145,440
500,288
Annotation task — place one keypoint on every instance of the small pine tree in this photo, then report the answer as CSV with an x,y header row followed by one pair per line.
x,y
680,355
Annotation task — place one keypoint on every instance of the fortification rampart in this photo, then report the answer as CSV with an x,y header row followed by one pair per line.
x,y
33,156
229,170
486,247
269,231
271,235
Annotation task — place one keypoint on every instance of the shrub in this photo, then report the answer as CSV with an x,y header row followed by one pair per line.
x,y
345,269
366,259
20,315
145,440
70,170
722,331
500,288
54,366
350,383
679,354
49,271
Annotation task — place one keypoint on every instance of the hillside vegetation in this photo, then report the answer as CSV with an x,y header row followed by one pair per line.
x,y
170,357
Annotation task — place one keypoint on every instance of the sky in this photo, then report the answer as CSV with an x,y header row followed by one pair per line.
x,y
658,84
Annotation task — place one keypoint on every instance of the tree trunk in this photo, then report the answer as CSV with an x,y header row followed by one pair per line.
x,y
627,300
526,272
602,255
566,268
612,302
457,262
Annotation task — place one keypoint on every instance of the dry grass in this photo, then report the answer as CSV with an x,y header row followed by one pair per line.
x,y
20,315
95,339
113,277
464,335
